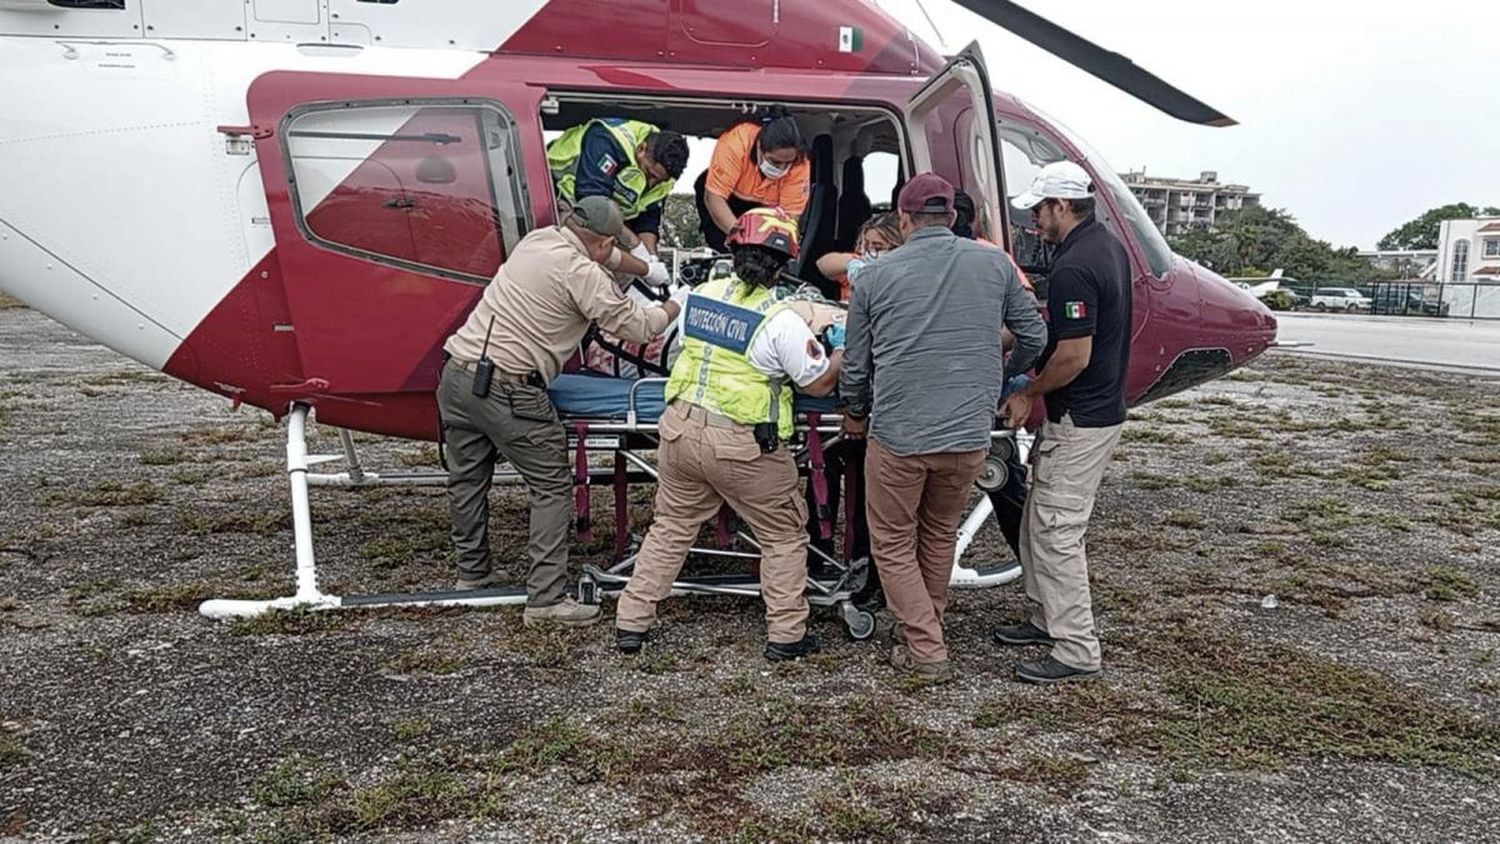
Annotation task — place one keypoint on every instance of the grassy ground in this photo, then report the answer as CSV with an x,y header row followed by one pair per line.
x,y
1360,702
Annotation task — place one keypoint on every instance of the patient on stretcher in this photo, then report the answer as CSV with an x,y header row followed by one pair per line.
x,y
605,354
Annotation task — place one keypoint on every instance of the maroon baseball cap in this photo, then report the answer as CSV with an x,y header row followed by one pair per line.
x,y
926,193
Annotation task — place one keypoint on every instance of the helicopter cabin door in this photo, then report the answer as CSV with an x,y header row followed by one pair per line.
x,y
393,203
947,139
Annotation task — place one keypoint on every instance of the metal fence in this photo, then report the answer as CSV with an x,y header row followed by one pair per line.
x,y
1435,299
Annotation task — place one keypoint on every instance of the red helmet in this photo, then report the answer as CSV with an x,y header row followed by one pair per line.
x,y
768,227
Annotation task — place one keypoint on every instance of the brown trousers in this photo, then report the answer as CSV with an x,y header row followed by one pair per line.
x,y
1067,464
705,461
915,506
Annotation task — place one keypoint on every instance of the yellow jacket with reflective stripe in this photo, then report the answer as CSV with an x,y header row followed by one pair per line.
x,y
630,189
714,371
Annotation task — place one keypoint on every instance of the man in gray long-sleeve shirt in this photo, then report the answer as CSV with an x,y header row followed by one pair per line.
x,y
924,365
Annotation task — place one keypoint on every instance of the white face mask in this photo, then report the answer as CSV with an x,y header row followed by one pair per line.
x,y
771,171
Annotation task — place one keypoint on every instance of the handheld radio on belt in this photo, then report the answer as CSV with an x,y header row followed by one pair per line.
x,y
485,369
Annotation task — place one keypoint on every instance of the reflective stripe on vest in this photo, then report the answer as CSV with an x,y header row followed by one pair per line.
x,y
714,371
630,185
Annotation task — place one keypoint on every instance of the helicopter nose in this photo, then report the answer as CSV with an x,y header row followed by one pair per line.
x,y
1233,318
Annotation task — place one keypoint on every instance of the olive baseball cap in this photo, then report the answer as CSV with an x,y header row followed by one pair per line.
x,y
598,214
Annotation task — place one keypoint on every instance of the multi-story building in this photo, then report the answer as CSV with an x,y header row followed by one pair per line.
x,y
1469,266
1182,205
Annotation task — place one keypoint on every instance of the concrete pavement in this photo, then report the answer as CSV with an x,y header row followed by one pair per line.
x,y
1458,344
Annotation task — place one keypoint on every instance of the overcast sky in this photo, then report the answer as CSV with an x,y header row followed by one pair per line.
x,y
1355,116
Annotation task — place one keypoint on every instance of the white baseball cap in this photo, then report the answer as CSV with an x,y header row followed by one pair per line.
x,y
1058,180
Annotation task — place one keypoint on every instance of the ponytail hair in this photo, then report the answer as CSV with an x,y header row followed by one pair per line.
x,y
779,130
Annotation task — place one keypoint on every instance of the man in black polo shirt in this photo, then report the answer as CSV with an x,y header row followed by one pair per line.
x,y
1082,379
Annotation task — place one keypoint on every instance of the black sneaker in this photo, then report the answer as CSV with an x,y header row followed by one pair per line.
x,y
1024,633
780,651
1050,670
629,641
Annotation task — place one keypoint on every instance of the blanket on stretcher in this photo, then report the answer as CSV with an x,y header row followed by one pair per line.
x,y
585,396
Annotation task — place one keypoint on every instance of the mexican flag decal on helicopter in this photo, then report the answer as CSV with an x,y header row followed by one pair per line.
x,y
851,39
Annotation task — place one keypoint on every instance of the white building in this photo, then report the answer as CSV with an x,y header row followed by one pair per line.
x,y
1469,266
1410,263
1181,205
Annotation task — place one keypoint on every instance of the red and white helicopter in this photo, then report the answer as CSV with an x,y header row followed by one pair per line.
x,y
292,203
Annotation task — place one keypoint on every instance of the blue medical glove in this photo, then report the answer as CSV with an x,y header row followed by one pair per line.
x,y
834,334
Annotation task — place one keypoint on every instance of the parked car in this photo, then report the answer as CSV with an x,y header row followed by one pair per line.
x,y
1339,299
1389,299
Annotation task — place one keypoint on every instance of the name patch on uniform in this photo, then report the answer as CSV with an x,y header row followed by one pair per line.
x,y
1075,310
721,324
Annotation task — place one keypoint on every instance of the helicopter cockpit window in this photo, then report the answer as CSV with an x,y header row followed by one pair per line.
x,y
432,186
1153,244
88,4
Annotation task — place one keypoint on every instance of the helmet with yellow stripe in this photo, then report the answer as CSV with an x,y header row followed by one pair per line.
x,y
770,228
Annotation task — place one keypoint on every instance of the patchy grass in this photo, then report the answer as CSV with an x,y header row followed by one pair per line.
x,y
1151,481
1141,434
108,494
13,754
299,622
430,661
199,523
1445,583
1235,428
221,435
165,456
10,302
1252,705
1211,483
1186,519
1215,458
411,729
175,597
426,458
293,782
126,378
1277,464
1060,774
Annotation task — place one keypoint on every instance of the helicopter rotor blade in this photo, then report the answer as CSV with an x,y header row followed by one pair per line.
x,y
1109,66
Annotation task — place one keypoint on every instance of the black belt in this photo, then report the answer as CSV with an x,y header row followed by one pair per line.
x,y
532,378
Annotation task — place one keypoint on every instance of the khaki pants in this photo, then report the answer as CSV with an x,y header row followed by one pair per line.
x,y
1067,464
479,432
915,505
705,461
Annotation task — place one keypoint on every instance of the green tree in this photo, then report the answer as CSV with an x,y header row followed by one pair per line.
x,y
1257,240
679,222
1422,233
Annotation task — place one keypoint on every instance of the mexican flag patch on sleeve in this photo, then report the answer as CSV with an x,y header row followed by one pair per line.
x,y
1075,310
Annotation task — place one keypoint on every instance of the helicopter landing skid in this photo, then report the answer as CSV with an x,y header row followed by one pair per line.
x,y
308,596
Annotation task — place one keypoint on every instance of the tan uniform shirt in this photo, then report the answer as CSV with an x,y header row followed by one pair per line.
x,y
542,301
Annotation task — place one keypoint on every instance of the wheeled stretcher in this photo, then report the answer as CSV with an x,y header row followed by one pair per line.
x,y
620,416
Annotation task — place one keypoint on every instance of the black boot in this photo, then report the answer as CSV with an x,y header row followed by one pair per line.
x,y
780,651
629,641
1024,633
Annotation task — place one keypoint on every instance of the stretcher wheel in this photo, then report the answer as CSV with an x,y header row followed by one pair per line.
x,y
996,472
860,624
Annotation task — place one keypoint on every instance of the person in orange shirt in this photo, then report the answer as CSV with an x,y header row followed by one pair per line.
x,y
754,165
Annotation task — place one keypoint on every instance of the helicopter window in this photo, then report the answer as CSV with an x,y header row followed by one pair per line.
x,y
1153,244
432,186
89,4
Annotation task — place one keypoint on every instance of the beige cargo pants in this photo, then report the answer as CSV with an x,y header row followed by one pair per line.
x,y
706,460
1067,464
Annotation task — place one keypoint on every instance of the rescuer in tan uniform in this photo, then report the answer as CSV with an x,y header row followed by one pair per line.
x,y
494,402
723,435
